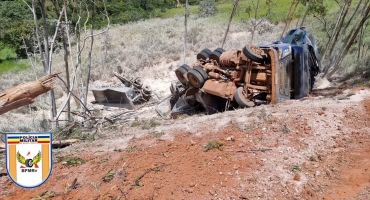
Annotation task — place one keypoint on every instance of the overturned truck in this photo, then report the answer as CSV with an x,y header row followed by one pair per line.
x,y
257,74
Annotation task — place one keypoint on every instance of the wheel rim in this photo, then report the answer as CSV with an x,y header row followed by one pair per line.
x,y
193,80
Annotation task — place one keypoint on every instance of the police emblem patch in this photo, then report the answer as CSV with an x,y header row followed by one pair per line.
x,y
29,158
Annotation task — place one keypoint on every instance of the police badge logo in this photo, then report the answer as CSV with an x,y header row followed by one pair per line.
x,y
28,158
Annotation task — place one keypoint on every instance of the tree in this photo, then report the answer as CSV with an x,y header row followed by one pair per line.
x,y
347,38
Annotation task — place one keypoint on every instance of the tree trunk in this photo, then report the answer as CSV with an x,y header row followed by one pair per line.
x,y
348,5
89,57
337,43
289,16
365,16
23,94
231,17
186,26
305,13
333,33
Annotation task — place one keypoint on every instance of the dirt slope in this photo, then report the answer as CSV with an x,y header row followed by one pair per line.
x,y
314,148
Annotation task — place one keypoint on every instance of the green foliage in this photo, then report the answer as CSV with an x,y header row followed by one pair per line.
x,y
214,144
207,8
14,65
16,28
7,53
70,160
109,176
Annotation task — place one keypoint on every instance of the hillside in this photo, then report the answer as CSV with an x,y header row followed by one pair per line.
x,y
313,148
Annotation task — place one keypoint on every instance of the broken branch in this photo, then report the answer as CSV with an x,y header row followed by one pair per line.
x,y
253,150
23,94
136,181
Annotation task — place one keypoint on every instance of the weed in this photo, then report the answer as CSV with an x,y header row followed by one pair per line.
x,y
109,176
151,124
286,129
70,160
102,160
156,134
145,125
228,156
131,149
296,168
44,195
135,123
96,186
117,150
214,144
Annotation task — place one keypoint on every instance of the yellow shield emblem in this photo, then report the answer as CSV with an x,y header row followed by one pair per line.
x,y
29,158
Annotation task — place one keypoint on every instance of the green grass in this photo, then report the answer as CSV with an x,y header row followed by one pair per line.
x,y
16,65
278,12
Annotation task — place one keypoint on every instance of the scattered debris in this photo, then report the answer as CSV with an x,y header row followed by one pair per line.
x,y
133,92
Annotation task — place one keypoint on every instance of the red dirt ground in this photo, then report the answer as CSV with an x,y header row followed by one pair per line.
x,y
182,169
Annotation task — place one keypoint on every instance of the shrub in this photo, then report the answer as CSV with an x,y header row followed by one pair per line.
x,y
207,8
7,53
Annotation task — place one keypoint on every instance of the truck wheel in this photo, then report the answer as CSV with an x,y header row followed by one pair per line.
x,y
250,52
204,54
183,69
215,56
240,99
221,50
138,83
147,89
207,51
202,72
195,78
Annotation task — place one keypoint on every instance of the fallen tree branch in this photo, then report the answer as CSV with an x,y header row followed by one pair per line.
x,y
136,181
23,94
253,150
64,143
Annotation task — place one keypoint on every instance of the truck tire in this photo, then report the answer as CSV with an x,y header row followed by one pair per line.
x,y
215,56
183,69
207,51
240,99
138,83
202,72
204,54
221,50
147,89
195,78
249,53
